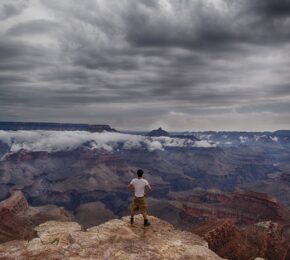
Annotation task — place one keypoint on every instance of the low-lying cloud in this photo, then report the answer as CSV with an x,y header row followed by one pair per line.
x,y
53,141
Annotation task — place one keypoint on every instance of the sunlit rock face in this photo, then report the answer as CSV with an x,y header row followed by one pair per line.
x,y
115,239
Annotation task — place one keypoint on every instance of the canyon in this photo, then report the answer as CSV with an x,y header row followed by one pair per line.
x,y
229,187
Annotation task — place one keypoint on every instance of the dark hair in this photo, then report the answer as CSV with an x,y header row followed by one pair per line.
x,y
139,173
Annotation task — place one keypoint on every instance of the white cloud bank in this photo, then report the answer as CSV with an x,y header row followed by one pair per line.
x,y
52,141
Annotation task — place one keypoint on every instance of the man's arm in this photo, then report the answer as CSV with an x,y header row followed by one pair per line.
x,y
148,188
130,187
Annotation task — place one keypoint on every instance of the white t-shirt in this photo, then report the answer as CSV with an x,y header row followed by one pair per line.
x,y
139,186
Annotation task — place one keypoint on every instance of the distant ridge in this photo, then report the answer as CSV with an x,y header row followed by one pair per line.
x,y
15,126
158,132
282,133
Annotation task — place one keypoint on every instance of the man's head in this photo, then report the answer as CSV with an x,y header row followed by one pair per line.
x,y
139,173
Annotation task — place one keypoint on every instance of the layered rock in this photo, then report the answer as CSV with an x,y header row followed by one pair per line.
x,y
240,207
115,239
277,185
217,233
13,224
17,219
264,239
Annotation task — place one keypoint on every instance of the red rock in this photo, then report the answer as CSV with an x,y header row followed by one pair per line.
x,y
17,219
265,239
13,225
240,207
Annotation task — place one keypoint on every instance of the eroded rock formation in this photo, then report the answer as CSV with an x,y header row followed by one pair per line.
x,y
13,224
264,239
17,219
216,233
115,239
240,207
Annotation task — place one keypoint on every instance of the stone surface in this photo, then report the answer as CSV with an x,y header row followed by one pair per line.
x,y
115,239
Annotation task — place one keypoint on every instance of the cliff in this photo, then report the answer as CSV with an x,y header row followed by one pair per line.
x,y
115,239
264,239
240,207
17,219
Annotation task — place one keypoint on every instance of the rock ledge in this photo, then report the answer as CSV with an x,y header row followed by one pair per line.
x,y
115,239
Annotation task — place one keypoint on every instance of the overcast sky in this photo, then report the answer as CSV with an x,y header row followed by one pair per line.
x,y
179,64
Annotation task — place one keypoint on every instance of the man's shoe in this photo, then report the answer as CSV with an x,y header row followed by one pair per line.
x,y
132,221
146,223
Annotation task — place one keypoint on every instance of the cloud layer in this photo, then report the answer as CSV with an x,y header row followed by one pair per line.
x,y
191,65
52,141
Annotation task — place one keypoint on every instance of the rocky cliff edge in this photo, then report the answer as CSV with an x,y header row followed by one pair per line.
x,y
115,239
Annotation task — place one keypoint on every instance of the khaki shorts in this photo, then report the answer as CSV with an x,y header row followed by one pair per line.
x,y
140,203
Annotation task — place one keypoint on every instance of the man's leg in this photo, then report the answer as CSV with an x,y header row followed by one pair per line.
x,y
146,222
132,217
133,210
144,212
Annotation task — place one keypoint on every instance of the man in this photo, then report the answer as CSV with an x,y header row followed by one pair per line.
x,y
140,186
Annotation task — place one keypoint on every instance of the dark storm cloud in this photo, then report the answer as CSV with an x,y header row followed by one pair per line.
x,y
200,27
272,9
150,60
12,8
180,30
